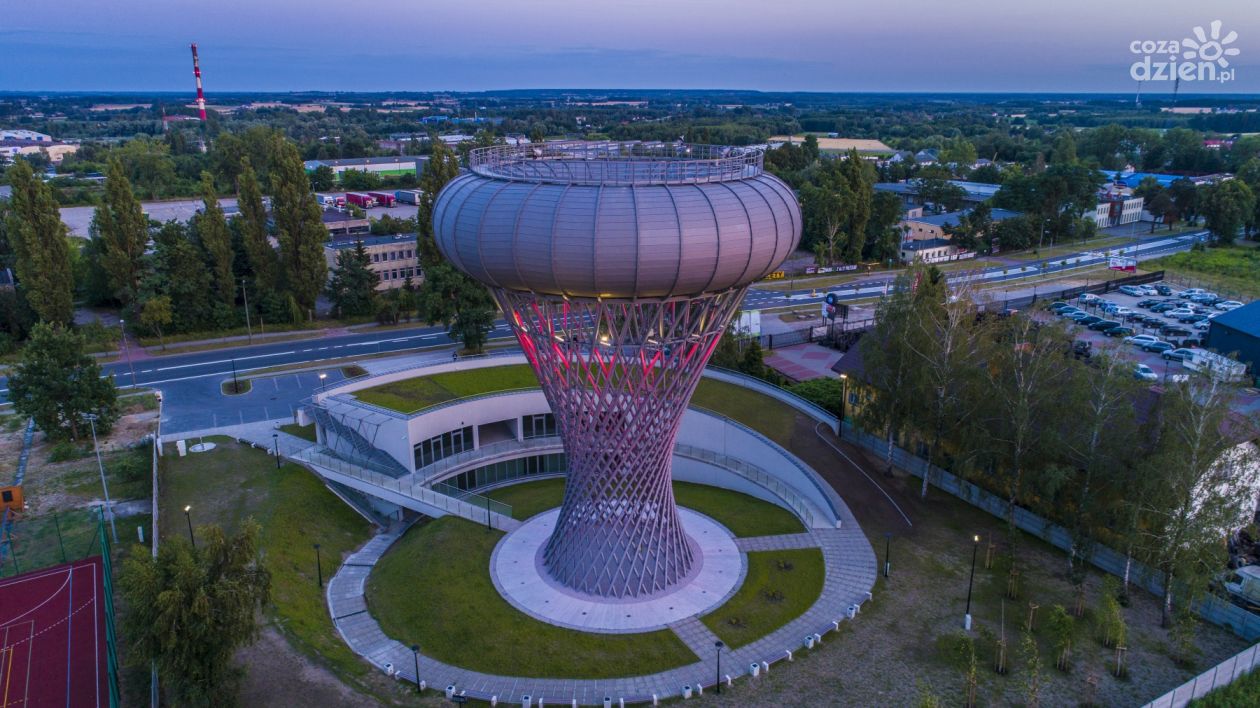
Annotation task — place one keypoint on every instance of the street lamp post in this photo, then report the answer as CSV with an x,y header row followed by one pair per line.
x,y
415,654
188,518
91,418
887,549
975,547
718,645
322,376
122,331
249,331
319,568
236,385
275,438
844,395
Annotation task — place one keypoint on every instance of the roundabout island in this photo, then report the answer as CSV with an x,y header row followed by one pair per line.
x,y
586,535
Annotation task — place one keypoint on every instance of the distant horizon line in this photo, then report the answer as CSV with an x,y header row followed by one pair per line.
x,y
391,92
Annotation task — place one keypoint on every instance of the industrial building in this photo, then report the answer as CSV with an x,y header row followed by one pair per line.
x,y
394,257
391,166
1237,333
974,192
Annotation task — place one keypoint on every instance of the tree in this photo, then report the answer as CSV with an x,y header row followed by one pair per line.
x,y
889,364
827,392
458,302
959,152
253,225
936,189
859,178
1205,483
1227,206
323,179
442,167
155,313
189,610
299,227
883,230
1014,234
810,146
823,213
216,239
124,232
179,272
1185,196
352,287
41,253
56,384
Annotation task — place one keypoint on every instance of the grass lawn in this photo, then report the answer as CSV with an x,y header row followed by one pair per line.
x,y
1229,271
779,587
233,482
761,413
457,616
306,432
236,388
744,515
411,395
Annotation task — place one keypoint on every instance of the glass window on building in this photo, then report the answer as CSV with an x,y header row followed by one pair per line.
x,y
443,445
542,425
500,472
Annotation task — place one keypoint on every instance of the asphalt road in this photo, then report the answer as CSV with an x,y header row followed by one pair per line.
x,y
194,377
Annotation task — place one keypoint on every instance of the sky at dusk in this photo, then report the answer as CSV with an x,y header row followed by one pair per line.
x,y
470,45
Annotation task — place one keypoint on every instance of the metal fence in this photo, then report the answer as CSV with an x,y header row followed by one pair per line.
x,y
1211,608
754,474
1224,673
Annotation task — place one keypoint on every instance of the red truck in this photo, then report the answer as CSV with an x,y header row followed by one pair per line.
x,y
365,201
382,198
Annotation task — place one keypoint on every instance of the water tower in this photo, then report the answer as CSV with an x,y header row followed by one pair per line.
x,y
618,266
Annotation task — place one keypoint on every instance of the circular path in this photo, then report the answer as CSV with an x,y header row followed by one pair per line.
x,y
518,574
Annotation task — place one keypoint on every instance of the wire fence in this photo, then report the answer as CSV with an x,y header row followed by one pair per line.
x,y
1209,607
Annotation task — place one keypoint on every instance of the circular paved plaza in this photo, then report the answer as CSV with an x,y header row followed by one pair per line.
x,y
519,576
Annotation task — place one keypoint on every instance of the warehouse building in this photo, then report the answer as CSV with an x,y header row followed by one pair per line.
x,y
391,166
394,258
1237,333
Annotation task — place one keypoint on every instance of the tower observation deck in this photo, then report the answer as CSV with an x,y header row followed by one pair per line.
x,y
618,266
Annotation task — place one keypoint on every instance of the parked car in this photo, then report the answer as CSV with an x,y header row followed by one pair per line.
x,y
1172,330
1192,319
1119,332
1058,306
1087,298
1163,289
1142,372
1202,326
1104,325
1156,347
1147,302
1190,292
1088,320
1163,307
1148,289
1177,354
1133,290
1194,340
1179,312
1121,311
1205,298
1140,339
1227,305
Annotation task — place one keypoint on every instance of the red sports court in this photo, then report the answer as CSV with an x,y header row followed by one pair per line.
x,y
53,642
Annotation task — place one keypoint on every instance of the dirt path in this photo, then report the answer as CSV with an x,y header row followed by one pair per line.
x,y
276,675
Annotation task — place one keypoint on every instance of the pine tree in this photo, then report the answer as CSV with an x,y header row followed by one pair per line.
x,y
253,220
121,225
442,167
56,384
212,229
861,183
298,226
352,287
41,251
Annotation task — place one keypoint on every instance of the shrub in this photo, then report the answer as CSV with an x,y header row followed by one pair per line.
x,y
66,450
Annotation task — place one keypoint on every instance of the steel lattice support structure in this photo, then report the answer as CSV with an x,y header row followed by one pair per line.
x,y
618,375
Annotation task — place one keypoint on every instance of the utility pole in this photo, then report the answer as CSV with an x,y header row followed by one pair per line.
x,y
248,330
91,418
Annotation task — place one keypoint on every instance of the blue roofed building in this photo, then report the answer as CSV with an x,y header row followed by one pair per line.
x,y
927,238
1237,333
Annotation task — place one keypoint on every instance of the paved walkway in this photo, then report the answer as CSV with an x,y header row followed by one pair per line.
x,y
850,575
804,361
783,542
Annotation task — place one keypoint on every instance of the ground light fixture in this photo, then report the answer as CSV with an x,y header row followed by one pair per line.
x,y
887,549
718,645
844,392
319,568
188,518
975,547
275,438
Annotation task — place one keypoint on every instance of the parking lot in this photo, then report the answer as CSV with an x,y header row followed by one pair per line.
x,y
1143,321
